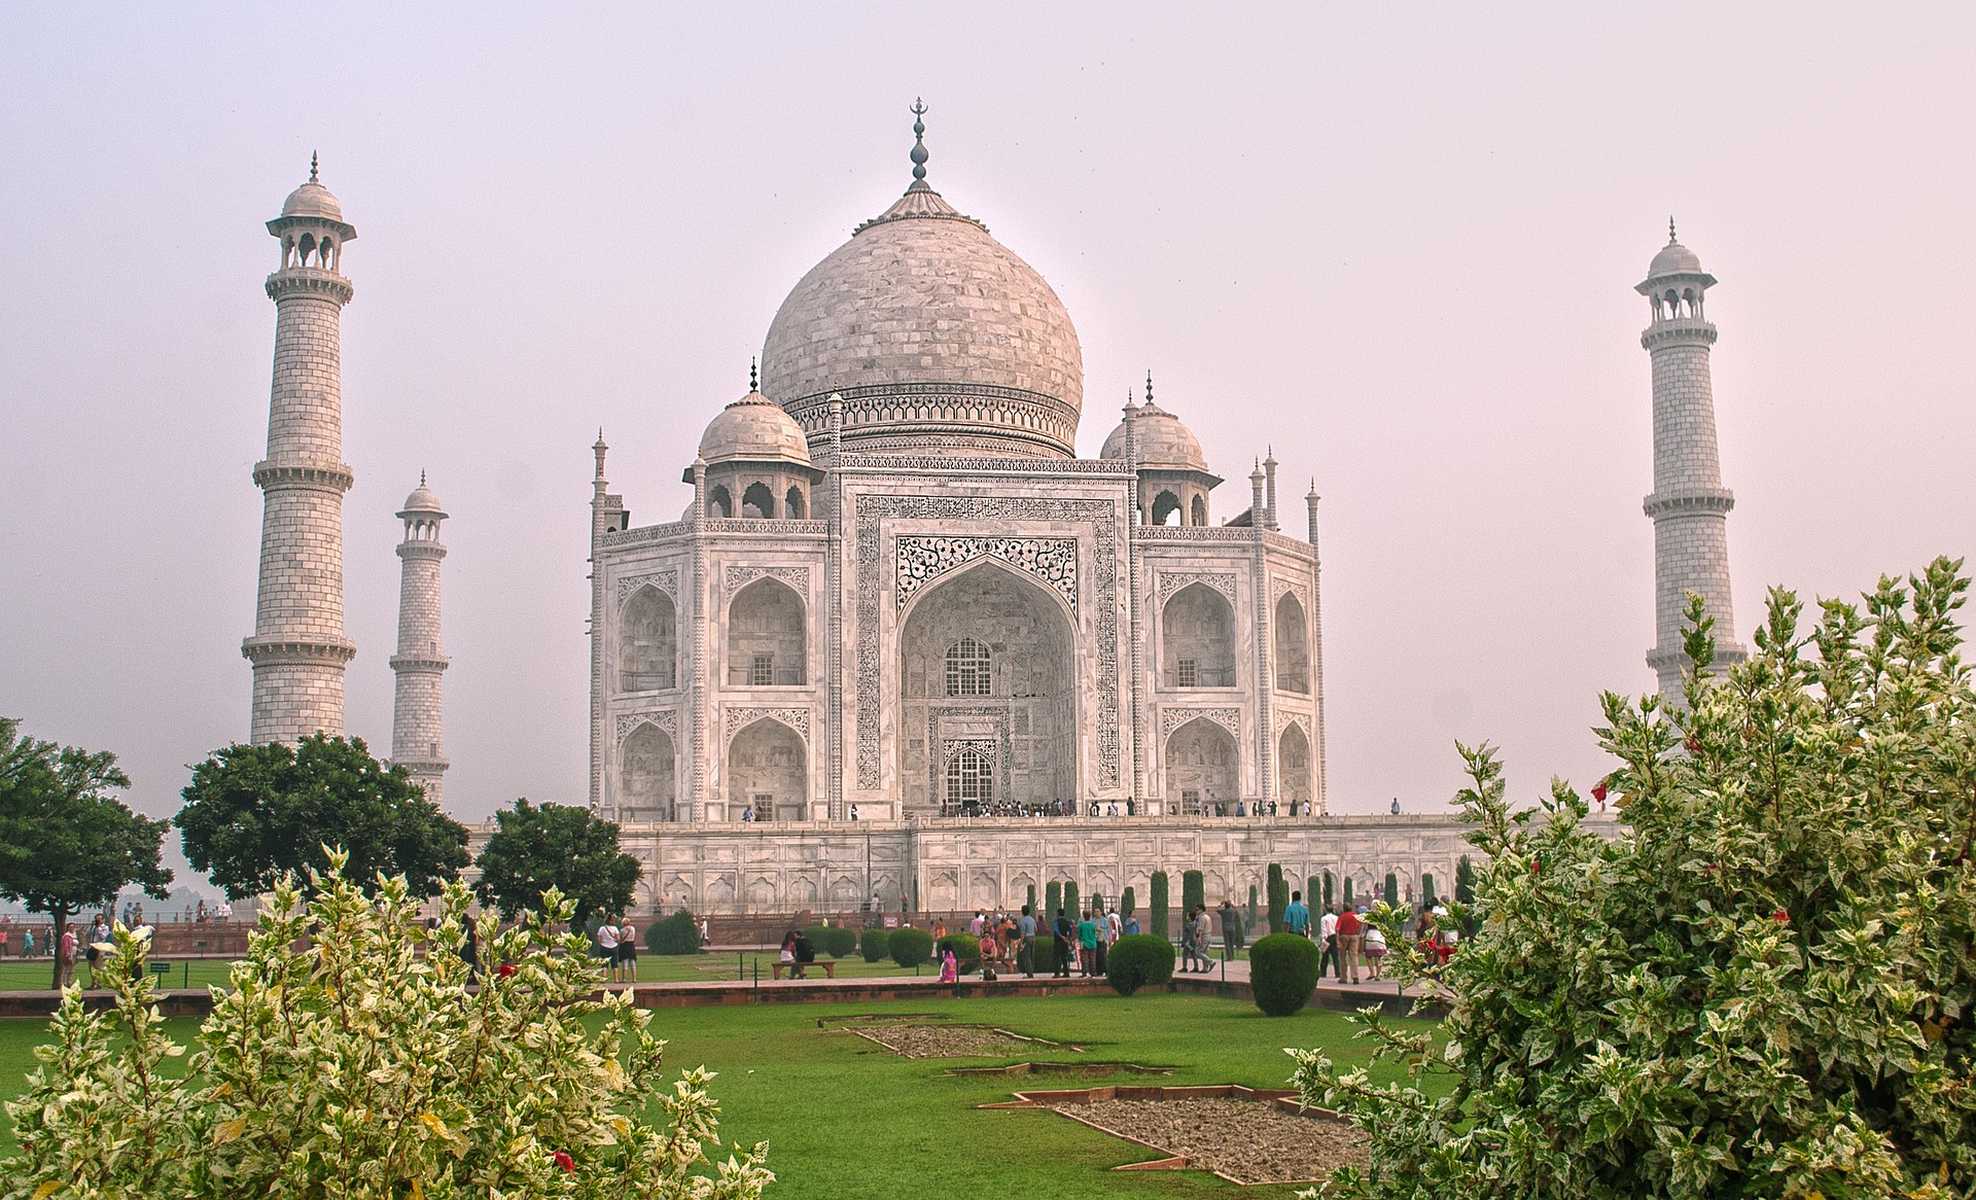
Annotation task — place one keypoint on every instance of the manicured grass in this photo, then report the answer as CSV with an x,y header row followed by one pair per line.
x,y
845,1118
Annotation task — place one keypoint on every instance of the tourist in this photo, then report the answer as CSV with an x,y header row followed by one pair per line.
x,y
65,959
1131,924
950,971
6,934
787,955
607,944
225,909
1187,954
939,930
990,954
1375,949
854,812
1025,955
27,943
1296,918
1349,928
1230,928
975,926
1327,932
470,953
1087,944
99,935
1061,935
747,813
1203,937
706,932
628,950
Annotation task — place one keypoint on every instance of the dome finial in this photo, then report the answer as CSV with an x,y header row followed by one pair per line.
x,y
312,166
422,469
919,155
1670,229
753,385
1149,385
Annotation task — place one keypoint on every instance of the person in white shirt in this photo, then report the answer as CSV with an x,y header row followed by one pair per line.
x,y
607,942
1327,933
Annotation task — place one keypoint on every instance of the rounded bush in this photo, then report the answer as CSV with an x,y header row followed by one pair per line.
x,y
873,944
1138,959
910,947
676,934
967,950
1283,972
838,941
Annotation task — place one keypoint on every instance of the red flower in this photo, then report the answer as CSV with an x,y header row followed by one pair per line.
x,y
1781,917
506,970
564,1161
1599,791
1694,747
1536,866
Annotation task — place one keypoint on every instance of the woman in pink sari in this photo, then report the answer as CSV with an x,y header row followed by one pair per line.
x,y
949,967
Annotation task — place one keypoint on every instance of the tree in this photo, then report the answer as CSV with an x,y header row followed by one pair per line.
x,y
1161,904
1761,988
254,812
1029,900
348,1057
1070,899
1348,891
1427,890
1330,890
534,848
1128,903
1465,880
1278,897
1193,891
65,845
1392,888
1052,899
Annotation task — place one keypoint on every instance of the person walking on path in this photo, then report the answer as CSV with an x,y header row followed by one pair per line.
x,y
1296,918
65,959
1087,944
1230,928
1063,946
1327,932
1349,929
1374,946
1025,955
1187,954
607,946
628,949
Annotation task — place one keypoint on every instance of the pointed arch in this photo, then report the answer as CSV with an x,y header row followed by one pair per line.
x,y
648,642
767,768
1291,629
1202,768
647,776
1197,639
767,636
1293,765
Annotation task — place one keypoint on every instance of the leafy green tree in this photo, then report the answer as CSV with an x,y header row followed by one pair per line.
x,y
1762,987
65,844
1161,904
537,847
1193,891
349,1058
254,812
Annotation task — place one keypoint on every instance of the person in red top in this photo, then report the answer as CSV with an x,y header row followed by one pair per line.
x,y
1350,929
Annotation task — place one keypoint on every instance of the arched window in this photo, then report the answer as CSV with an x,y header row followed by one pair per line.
x,y
968,672
1200,512
765,636
793,505
1166,509
1292,646
649,639
647,791
1197,639
970,780
721,501
758,501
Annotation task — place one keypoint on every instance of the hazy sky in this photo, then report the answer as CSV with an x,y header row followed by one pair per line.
x,y
1401,248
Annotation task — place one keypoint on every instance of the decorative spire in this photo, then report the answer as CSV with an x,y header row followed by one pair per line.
x,y
422,472
1670,229
752,384
312,166
919,154
1270,457
1149,385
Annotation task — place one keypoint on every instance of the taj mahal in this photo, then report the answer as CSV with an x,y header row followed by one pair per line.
x,y
902,641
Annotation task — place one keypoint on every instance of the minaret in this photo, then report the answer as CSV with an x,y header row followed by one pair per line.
x,y
417,722
298,648
1269,481
1689,506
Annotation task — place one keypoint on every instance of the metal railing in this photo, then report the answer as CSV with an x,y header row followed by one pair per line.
x,y
750,676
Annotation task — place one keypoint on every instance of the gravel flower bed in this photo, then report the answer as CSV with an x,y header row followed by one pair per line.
x,y
948,1041
1244,1140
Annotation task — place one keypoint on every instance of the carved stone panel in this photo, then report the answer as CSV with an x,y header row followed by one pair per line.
x,y
922,559
665,579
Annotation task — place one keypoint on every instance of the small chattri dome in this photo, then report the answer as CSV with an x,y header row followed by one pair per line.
x,y
1674,258
422,500
312,199
1161,441
754,428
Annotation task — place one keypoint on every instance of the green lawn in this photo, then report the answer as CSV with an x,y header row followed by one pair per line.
x,y
844,1118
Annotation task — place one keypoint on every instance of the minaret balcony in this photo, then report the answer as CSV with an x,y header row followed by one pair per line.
x,y
420,662
1678,331
417,549
336,477
1689,501
274,650
309,281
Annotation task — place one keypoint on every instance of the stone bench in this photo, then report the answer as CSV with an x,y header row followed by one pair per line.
x,y
778,967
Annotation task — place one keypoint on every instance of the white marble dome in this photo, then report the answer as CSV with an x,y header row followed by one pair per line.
x,y
937,336
422,500
312,199
754,428
1160,440
1674,259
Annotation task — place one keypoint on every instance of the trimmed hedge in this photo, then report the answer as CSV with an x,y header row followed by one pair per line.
x,y
1193,891
909,947
1279,898
1136,960
676,934
874,944
1128,903
1160,906
1283,972
1070,903
841,941
967,951
1052,900
1045,948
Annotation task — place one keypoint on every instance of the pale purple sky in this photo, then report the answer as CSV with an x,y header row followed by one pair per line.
x,y
1399,247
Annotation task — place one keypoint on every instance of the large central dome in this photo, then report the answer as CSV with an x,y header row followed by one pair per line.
x,y
939,339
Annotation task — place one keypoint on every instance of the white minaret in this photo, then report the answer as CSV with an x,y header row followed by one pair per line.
x,y
417,722
298,648
1689,506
